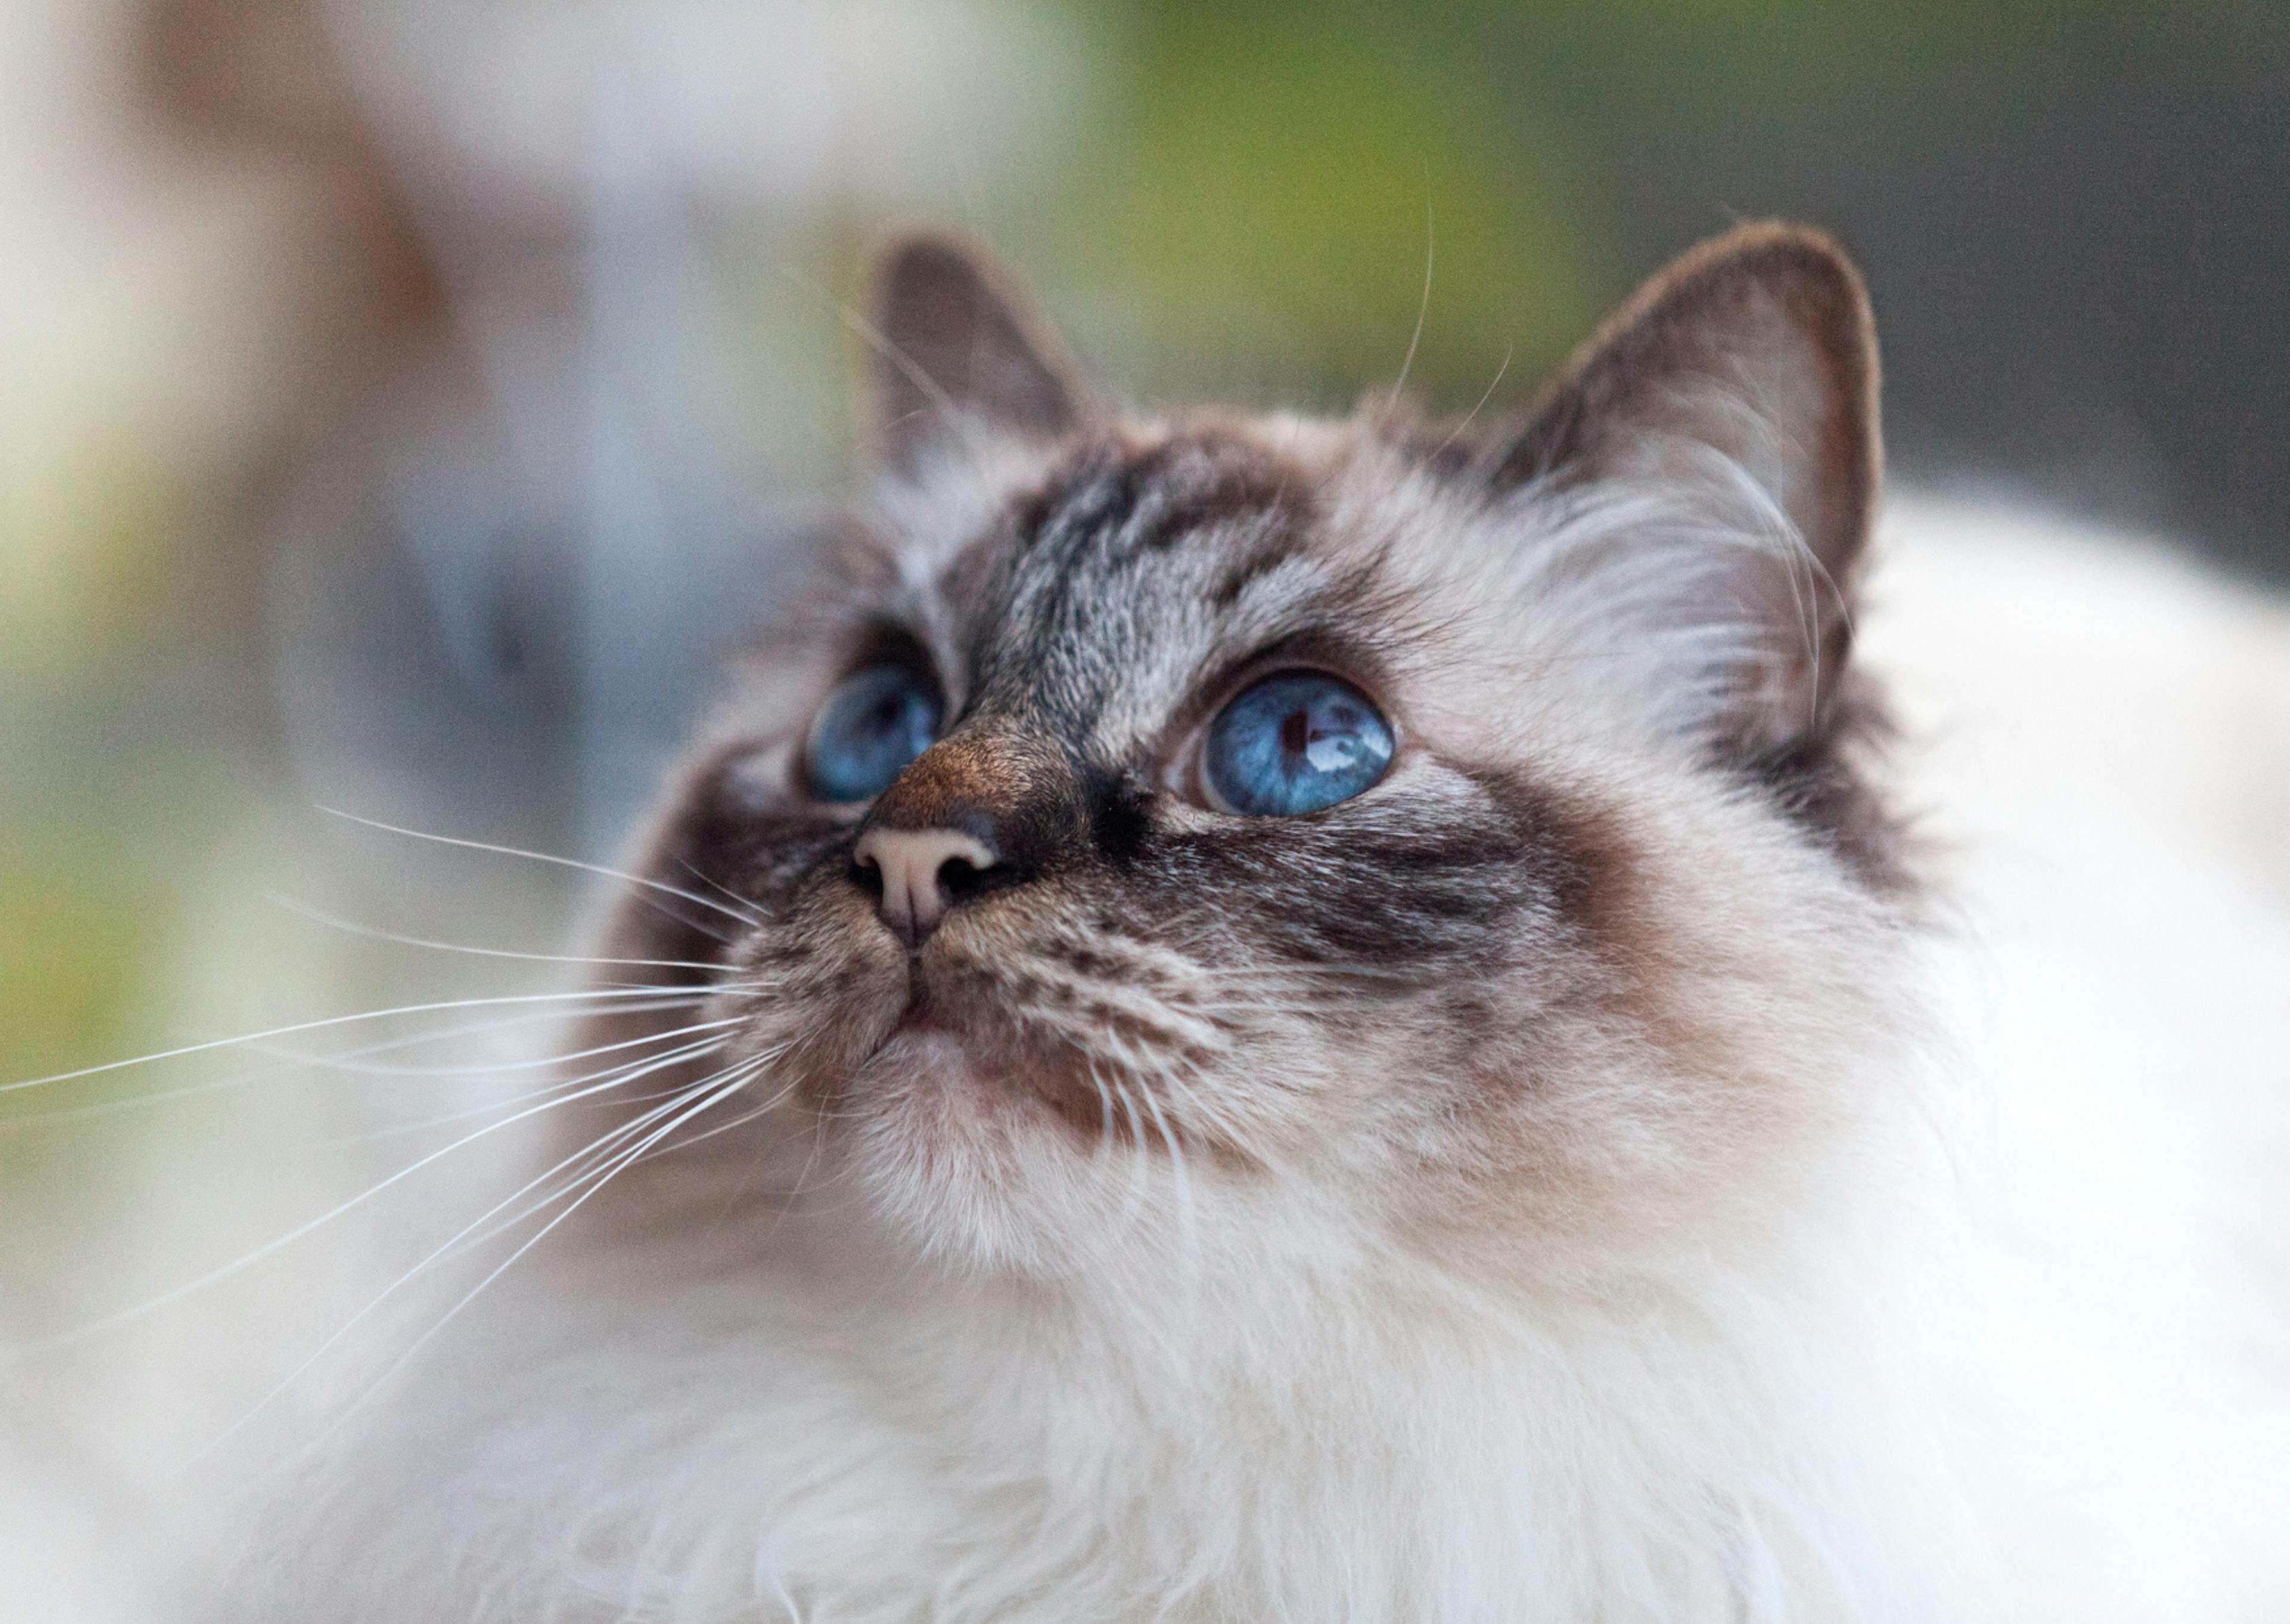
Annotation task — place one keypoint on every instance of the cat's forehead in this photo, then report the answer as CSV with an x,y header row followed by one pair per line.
x,y
1110,568
1008,519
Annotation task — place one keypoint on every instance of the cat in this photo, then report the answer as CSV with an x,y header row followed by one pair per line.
x,y
1274,1018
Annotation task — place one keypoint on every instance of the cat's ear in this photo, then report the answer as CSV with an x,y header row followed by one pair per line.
x,y
958,351
1745,374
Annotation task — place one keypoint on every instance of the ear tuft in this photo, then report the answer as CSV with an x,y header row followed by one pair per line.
x,y
1745,370
958,350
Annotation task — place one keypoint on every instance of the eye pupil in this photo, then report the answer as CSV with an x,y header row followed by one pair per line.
x,y
879,719
1299,741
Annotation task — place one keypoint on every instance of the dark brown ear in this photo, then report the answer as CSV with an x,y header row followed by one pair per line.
x,y
958,351
1754,357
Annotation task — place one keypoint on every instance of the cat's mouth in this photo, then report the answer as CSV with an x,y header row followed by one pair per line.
x,y
923,1014
975,1028
960,1035
956,1019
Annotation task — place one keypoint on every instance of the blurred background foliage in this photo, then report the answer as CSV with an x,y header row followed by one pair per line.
x,y
405,403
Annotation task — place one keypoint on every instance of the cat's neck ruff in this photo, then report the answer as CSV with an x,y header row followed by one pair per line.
x,y
1164,1438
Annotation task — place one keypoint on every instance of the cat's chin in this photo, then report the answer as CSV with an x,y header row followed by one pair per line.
x,y
925,1058
975,1155
976,1093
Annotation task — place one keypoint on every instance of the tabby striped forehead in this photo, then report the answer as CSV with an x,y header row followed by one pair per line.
x,y
1126,579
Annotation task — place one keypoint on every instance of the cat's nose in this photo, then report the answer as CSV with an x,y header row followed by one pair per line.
x,y
979,812
923,873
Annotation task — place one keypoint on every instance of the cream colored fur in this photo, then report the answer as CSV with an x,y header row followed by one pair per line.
x,y
2000,1333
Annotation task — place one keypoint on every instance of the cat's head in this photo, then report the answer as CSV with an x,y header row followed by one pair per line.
x,y
1244,836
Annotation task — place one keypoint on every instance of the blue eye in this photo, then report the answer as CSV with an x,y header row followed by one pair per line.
x,y
880,719
1294,743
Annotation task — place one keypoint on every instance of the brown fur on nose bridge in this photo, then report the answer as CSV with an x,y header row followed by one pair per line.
x,y
973,774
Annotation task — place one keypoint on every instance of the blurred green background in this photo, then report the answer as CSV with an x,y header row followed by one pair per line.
x,y
401,405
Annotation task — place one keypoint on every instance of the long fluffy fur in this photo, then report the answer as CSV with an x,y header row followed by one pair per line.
x,y
1982,1363
1578,1180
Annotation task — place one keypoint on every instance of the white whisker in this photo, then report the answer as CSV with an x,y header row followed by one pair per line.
x,y
213,1045
1104,1114
290,1061
693,1051
755,1112
624,1160
375,934
467,1234
1134,1202
731,896
1187,1234
1422,310
269,1248
585,1162
1457,432
342,1062
1214,1115
745,917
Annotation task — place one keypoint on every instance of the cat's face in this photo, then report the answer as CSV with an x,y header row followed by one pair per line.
x,y
1235,836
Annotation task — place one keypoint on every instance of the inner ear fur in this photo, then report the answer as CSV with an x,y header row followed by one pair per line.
x,y
959,349
1758,346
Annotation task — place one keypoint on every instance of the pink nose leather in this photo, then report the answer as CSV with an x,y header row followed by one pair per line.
x,y
911,862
